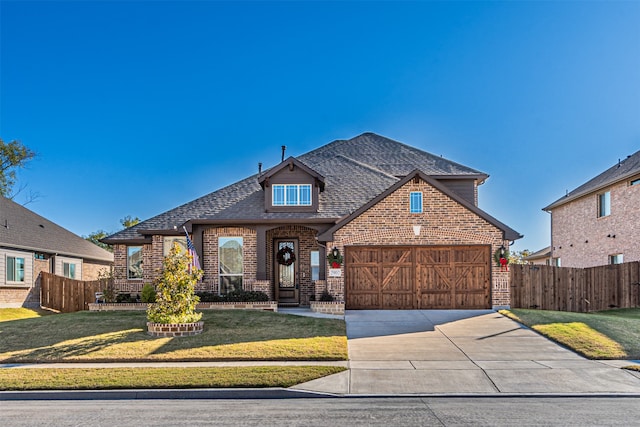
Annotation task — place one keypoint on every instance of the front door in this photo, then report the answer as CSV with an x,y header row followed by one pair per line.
x,y
286,271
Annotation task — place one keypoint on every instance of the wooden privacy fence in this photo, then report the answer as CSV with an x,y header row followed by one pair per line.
x,y
68,295
575,289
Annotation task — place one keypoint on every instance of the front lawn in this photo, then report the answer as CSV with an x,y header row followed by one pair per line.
x,y
160,378
610,334
231,335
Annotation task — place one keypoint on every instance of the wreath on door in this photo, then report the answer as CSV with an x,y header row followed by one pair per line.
x,y
286,256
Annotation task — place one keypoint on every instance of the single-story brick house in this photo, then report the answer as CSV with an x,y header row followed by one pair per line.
x,y
598,223
30,244
403,224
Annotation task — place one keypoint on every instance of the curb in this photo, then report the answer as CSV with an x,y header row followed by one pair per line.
x,y
149,394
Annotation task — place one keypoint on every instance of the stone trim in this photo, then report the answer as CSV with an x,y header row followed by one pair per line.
x,y
328,307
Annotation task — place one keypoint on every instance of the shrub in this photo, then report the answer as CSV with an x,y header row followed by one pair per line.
x,y
326,296
234,296
123,298
175,291
148,293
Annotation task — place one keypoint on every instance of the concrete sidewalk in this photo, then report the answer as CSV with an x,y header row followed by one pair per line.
x,y
463,352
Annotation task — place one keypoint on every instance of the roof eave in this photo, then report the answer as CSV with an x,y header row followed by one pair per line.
x,y
571,197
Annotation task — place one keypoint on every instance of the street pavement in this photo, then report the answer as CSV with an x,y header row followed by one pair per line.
x,y
478,352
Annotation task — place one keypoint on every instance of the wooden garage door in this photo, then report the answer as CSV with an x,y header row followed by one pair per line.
x,y
417,277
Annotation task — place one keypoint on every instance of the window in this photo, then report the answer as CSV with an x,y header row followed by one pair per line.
x,y
415,202
168,242
69,270
556,262
634,181
291,195
604,204
15,269
616,259
134,262
230,261
315,265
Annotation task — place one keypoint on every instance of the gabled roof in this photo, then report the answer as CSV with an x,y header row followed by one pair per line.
x,y
354,171
508,232
541,254
623,170
21,228
290,163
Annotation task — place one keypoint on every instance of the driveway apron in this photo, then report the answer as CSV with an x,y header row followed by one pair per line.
x,y
467,352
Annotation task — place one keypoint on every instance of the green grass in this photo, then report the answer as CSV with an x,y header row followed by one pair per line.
x,y
610,334
236,335
160,378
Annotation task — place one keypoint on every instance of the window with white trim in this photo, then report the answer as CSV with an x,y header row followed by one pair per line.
x,y
69,270
415,202
616,259
291,195
604,204
15,269
315,265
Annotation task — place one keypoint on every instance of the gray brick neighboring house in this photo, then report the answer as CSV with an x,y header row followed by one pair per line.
x,y
598,223
371,221
30,244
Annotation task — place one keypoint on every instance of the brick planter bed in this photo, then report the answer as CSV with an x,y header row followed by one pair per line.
x,y
171,330
328,307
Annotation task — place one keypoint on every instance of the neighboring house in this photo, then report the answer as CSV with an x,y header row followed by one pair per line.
x,y
542,257
598,223
30,244
404,226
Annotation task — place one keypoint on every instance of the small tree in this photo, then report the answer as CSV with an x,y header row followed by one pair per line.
x,y
175,290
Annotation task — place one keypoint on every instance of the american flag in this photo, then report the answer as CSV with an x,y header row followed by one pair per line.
x,y
195,261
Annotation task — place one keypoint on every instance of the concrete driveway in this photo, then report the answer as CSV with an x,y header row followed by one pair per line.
x,y
463,352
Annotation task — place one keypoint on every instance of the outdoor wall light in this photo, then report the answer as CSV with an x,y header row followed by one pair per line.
x,y
335,252
502,249
416,229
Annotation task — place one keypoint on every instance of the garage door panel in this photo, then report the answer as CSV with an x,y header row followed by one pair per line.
x,y
427,277
398,301
397,279
364,301
363,278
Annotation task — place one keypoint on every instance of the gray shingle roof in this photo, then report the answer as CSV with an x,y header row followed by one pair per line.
x,y
621,171
354,170
21,228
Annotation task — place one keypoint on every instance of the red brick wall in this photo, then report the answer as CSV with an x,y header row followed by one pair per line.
x,y
579,237
210,281
443,222
306,243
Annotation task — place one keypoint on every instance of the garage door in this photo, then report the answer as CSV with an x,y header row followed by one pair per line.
x,y
418,277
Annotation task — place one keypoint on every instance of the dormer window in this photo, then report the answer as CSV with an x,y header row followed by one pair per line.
x,y
291,194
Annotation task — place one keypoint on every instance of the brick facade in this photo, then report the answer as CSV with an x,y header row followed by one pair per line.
x,y
443,222
307,242
580,239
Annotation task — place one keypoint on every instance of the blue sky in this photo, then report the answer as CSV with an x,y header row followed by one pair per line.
x,y
137,107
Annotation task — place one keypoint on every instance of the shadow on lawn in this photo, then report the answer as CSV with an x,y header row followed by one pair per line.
x,y
90,335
